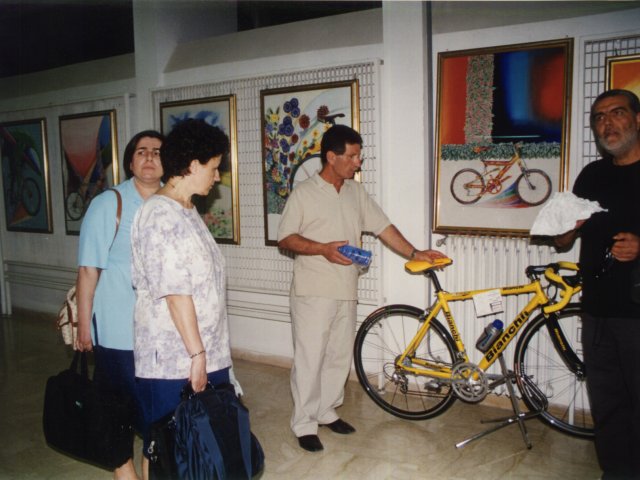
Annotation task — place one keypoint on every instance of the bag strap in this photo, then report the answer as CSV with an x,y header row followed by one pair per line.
x,y
118,217
82,358
118,213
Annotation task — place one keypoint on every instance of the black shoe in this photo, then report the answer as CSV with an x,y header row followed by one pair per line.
x,y
310,443
340,426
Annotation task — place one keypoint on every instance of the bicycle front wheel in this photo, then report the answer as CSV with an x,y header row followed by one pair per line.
x,y
382,338
31,197
551,375
74,206
467,186
533,187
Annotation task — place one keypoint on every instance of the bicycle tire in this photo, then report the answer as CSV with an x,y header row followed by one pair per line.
x,y
30,196
539,180
537,359
74,205
467,186
381,338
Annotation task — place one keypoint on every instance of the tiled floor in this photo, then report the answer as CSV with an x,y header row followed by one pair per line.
x,y
384,447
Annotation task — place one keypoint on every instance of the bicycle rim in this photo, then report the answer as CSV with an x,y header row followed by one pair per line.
x,y
467,186
382,338
31,196
533,187
538,363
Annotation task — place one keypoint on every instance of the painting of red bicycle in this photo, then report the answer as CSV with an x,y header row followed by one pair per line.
x,y
89,162
502,129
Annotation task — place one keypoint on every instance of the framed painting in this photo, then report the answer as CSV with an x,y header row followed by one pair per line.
x,y
89,151
25,176
502,128
624,72
293,122
220,209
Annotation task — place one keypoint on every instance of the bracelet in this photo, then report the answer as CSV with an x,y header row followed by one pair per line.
x,y
413,254
196,354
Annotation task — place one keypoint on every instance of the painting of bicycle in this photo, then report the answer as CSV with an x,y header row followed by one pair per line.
x,y
25,176
89,161
502,129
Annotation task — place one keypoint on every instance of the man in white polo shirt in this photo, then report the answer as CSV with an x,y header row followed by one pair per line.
x,y
323,213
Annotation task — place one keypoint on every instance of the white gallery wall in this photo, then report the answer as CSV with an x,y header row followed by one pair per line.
x,y
397,41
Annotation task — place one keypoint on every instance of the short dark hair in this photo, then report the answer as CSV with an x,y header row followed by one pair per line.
x,y
336,140
191,140
130,149
634,102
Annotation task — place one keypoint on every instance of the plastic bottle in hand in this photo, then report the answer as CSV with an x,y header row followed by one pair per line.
x,y
356,255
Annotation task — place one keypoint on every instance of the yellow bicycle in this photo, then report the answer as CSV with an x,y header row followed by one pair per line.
x,y
414,367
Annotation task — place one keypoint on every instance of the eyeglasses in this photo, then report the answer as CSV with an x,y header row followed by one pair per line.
x,y
606,265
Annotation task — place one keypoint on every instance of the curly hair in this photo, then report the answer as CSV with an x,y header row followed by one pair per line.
x,y
192,140
130,149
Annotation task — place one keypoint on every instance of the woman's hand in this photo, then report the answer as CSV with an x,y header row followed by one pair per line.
x,y
198,373
83,340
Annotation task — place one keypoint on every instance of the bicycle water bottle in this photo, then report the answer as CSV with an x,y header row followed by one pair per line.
x,y
489,335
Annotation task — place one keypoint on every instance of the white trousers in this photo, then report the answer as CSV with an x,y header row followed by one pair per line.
x,y
323,334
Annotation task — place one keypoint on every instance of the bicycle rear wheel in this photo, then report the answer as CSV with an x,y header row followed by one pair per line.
x,y
382,338
467,186
553,380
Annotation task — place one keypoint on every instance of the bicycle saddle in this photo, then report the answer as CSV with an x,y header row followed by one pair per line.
x,y
417,266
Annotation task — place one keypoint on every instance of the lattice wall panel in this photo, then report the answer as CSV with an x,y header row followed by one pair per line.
x,y
252,265
595,62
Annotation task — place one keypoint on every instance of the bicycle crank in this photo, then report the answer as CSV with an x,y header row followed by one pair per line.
x,y
469,382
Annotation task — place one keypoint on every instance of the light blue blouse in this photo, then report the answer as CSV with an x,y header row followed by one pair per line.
x,y
114,298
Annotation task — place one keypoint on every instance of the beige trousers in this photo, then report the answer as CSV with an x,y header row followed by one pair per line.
x,y
323,334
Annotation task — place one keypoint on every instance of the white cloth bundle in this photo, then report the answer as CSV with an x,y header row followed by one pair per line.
x,y
561,212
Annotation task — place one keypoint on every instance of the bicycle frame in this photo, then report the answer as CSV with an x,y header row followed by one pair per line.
x,y
539,300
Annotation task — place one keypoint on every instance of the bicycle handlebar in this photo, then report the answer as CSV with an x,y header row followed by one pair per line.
x,y
569,285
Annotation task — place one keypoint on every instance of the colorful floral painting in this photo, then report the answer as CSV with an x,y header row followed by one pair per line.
x,y
219,209
293,122
25,176
502,130
89,162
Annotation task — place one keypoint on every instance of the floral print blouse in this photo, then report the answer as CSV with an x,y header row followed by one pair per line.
x,y
173,253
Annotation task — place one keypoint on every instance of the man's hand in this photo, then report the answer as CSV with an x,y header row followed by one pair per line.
x,y
428,255
331,253
625,247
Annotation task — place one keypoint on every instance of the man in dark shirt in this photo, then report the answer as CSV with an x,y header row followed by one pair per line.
x,y
610,243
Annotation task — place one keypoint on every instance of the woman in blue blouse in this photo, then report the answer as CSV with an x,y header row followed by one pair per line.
x,y
105,296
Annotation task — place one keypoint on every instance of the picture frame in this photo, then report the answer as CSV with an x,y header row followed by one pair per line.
x,y
624,72
293,122
502,120
89,155
220,210
25,176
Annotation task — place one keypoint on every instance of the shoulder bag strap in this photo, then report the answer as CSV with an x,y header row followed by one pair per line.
x,y
118,213
118,217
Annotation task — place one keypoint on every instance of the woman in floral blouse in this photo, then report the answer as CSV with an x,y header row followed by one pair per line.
x,y
181,327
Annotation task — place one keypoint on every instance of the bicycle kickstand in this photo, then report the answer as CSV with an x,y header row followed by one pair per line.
x,y
518,417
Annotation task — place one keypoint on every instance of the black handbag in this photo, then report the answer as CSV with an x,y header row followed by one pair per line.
x,y
162,461
83,421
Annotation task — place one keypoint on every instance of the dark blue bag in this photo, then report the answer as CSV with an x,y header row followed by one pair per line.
x,y
213,439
